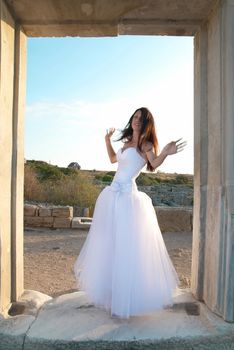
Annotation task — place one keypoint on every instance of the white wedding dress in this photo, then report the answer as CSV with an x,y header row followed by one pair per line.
x,y
124,266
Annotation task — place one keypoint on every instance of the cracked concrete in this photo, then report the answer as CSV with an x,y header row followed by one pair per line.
x,y
70,321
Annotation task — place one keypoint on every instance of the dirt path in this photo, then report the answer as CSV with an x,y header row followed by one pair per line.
x,y
49,256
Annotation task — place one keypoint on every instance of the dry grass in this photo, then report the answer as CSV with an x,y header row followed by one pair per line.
x,y
75,189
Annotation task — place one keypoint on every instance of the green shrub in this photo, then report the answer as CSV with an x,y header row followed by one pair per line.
x,y
98,177
111,173
68,171
181,179
144,180
107,178
46,171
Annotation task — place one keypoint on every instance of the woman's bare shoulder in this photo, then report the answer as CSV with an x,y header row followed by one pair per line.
x,y
147,146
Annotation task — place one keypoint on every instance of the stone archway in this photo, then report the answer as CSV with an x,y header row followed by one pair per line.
x,y
211,24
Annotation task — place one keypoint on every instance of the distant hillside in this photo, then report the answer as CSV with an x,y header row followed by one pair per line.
x,y
164,189
67,186
47,171
145,179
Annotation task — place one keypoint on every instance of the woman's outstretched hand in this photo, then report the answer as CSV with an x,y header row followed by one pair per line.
x,y
109,132
174,147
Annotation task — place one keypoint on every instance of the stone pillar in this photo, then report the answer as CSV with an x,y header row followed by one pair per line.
x,y
7,32
200,160
213,279
12,97
225,281
17,183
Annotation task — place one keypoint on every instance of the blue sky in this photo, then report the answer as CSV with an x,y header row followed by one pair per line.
x,y
78,87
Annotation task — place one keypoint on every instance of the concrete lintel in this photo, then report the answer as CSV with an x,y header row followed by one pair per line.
x,y
110,28
159,27
71,28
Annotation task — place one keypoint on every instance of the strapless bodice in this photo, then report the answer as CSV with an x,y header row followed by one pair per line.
x,y
130,164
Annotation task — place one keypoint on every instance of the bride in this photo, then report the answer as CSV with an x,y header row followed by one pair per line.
x,y
124,266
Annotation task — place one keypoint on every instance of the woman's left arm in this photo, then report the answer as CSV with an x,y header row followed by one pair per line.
x,y
171,148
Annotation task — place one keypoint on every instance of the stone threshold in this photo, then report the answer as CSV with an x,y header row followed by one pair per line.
x,y
70,321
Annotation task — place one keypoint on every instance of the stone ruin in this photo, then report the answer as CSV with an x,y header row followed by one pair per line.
x,y
53,217
177,219
211,24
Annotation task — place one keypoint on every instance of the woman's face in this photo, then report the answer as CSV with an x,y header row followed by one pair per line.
x,y
137,121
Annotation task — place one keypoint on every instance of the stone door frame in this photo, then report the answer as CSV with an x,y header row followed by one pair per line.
x,y
213,219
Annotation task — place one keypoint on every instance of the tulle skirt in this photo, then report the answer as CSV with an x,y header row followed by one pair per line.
x,y
124,266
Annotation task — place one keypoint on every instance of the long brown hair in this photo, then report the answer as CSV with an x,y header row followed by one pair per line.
x,y
147,133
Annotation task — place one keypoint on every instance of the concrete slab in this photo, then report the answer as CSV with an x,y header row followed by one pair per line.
x,y
110,17
70,321
13,331
81,222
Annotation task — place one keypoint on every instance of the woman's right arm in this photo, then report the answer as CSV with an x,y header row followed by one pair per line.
x,y
110,150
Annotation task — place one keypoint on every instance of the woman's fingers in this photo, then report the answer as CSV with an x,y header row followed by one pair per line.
x,y
179,150
182,144
180,147
178,140
110,131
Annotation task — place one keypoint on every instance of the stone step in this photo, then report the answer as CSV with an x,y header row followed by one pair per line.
x,y
70,321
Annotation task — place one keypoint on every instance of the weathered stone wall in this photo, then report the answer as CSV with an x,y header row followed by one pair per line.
x,y
175,219
57,217
169,219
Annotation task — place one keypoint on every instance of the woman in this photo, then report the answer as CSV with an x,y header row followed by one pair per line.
x,y
124,265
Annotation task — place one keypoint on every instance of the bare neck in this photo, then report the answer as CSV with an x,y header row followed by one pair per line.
x,y
135,137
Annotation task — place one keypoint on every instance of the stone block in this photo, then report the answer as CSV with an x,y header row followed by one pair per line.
x,y
62,222
80,211
174,219
81,222
30,210
45,212
77,211
86,212
63,212
38,221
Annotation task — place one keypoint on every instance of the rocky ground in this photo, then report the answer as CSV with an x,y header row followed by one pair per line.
x,y
49,256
